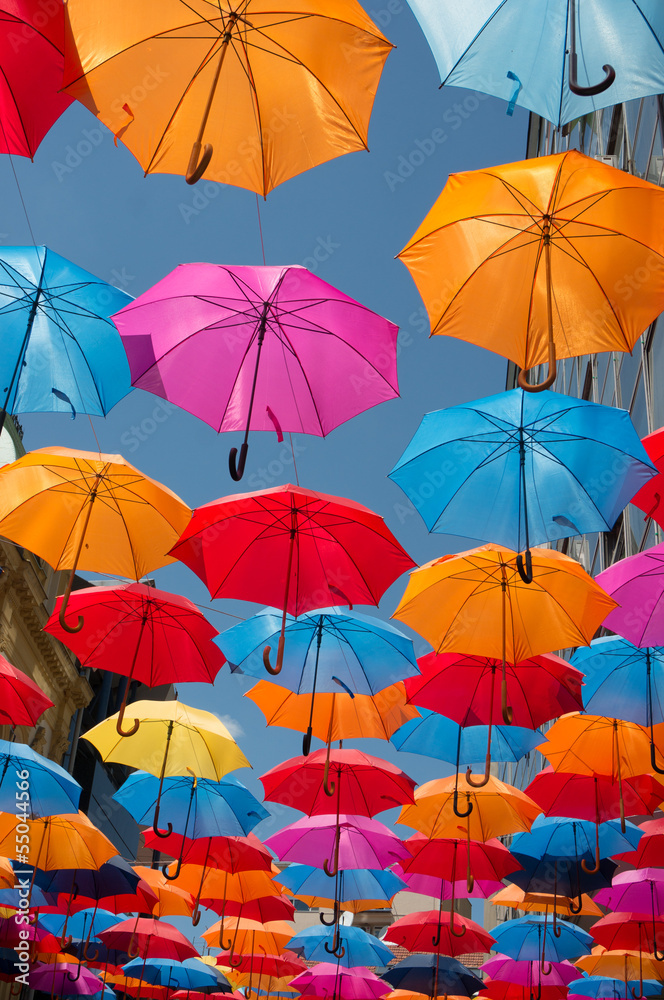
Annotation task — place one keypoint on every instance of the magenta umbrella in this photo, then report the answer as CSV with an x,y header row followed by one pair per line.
x,y
638,891
328,979
530,974
353,841
274,348
64,979
637,583
442,888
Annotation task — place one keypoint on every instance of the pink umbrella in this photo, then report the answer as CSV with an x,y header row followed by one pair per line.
x,y
328,979
441,888
529,973
31,45
274,348
353,841
637,583
64,979
639,891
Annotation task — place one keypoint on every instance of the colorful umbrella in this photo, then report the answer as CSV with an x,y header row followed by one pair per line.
x,y
356,886
650,849
56,842
22,701
631,931
640,891
531,938
330,548
595,797
521,469
65,979
190,973
432,931
366,785
126,532
268,348
649,496
352,946
62,352
604,988
433,975
264,85
233,853
435,735
170,899
248,936
32,784
534,254
560,60
528,973
518,899
145,634
637,585
148,937
330,980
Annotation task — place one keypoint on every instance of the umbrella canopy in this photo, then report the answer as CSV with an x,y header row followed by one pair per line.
x,y
620,962
530,938
328,546
31,99
354,842
114,886
365,785
355,886
518,899
354,947
22,701
649,496
34,784
170,899
268,347
533,254
248,936
148,937
328,979
450,856
637,585
617,672
62,351
55,842
650,847
631,931
595,797
443,888
561,60
433,931
188,974
491,811
335,716
605,988
521,469
295,103
500,989
65,979
640,891
529,973
234,853
435,735
433,975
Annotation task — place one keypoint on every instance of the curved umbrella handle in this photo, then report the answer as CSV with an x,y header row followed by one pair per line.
x,y
457,934
597,88
653,759
327,923
72,629
554,921
487,774
455,805
306,742
132,947
118,724
326,868
232,961
65,941
328,786
595,868
527,573
538,387
276,669
196,168
86,953
543,967
162,834
237,471
574,907
73,979
196,916
538,995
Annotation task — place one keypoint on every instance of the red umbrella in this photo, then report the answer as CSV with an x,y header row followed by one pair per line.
x,y
432,931
145,634
649,497
21,700
499,989
595,797
650,852
366,785
148,937
279,966
31,100
231,854
263,908
628,931
463,688
291,548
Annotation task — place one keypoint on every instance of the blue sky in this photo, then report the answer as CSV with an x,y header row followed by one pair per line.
x,y
89,201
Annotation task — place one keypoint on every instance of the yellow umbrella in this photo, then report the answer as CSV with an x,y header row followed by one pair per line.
x,y
274,88
477,602
540,902
84,510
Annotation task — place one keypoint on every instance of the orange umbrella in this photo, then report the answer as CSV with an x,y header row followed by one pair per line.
x,y
620,964
69,840
84,510
535,255
171,899
518,899
336,716
212,883
477,602
274,88
248,936
592,744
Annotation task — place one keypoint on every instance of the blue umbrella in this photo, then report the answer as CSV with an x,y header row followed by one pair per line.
x,y
433,975
604,988
350,945
83,925
43,788
61,352
561,59
619,673
198,807
192,974
573,837
437,736
354,884
530,938
326,650
521,468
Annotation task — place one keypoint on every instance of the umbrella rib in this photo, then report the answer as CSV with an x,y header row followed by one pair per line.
x,y
8,85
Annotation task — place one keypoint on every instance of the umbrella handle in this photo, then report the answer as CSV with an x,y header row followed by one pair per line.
x,y
65,941
196,916
507,710
653,760
574,908
543,967
551,377
327,923
527,573
163,834
595,868
73,979
72,629
118,725
574,86
538,995
328,786
276,669
485,779
306,742
453,932
455,805
326,868
237,470
132,947
538,387
86,953
196,168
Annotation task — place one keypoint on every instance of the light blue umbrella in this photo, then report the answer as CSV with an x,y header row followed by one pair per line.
x,y
522,468
434,735
604,988
354,884
44,786
559,58
350,945
61,352
530,938
192,974
326,650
